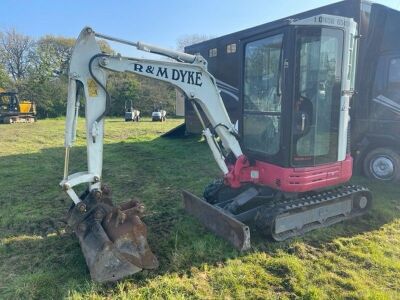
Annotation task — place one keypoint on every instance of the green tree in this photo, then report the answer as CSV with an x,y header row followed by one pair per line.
x,y
123,88
5,80
49,95
52,56
40,73
47,82
145,93
16,53
155,93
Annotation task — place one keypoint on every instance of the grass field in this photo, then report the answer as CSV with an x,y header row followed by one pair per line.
x,y
39,260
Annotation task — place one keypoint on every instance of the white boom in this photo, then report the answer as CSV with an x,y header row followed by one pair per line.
x,y
88,70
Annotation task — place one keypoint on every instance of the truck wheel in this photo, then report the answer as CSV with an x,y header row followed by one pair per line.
x,y
382,164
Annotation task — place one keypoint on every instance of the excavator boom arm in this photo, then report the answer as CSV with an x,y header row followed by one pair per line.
x,y
88,71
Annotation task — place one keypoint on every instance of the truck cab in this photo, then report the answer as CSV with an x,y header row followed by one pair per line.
x,y
376,106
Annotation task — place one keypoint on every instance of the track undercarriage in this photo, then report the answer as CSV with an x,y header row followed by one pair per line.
x,y
276,214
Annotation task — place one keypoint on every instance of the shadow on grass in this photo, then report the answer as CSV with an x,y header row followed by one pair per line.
x,y
36,262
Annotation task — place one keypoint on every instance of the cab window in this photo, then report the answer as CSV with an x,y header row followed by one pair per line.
x,y
394,73
262,100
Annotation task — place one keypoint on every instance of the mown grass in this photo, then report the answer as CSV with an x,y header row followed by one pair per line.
x,y
358,259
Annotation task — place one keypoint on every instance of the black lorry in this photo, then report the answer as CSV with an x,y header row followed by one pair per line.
x,y
375,107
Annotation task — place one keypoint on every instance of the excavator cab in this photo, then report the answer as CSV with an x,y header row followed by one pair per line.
x,y
296,84
9,101
291,93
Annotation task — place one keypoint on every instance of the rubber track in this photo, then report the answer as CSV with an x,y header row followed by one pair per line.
x,y
317,200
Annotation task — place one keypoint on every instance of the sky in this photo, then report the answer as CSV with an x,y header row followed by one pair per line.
x,y
153,21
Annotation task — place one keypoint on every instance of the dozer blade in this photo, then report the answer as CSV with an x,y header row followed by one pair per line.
x,y
218,221
113,238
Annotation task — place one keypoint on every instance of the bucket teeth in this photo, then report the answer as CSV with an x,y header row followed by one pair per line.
x,y
113,238
128,233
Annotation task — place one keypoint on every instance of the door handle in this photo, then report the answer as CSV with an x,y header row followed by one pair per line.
x,y
303,121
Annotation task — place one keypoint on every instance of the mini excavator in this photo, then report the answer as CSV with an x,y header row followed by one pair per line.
x,y
285,167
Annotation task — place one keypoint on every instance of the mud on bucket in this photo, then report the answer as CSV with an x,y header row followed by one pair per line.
x,y
113,238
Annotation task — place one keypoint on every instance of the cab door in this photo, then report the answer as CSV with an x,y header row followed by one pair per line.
x,y
317,95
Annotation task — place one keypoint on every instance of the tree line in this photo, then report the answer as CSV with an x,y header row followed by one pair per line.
x,y
38,70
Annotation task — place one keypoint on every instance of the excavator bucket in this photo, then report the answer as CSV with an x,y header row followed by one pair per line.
x,y
113,238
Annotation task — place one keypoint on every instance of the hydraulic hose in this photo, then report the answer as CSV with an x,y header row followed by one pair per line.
x,y
108,97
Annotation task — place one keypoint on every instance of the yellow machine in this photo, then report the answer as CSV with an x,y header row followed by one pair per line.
x,y
12,110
